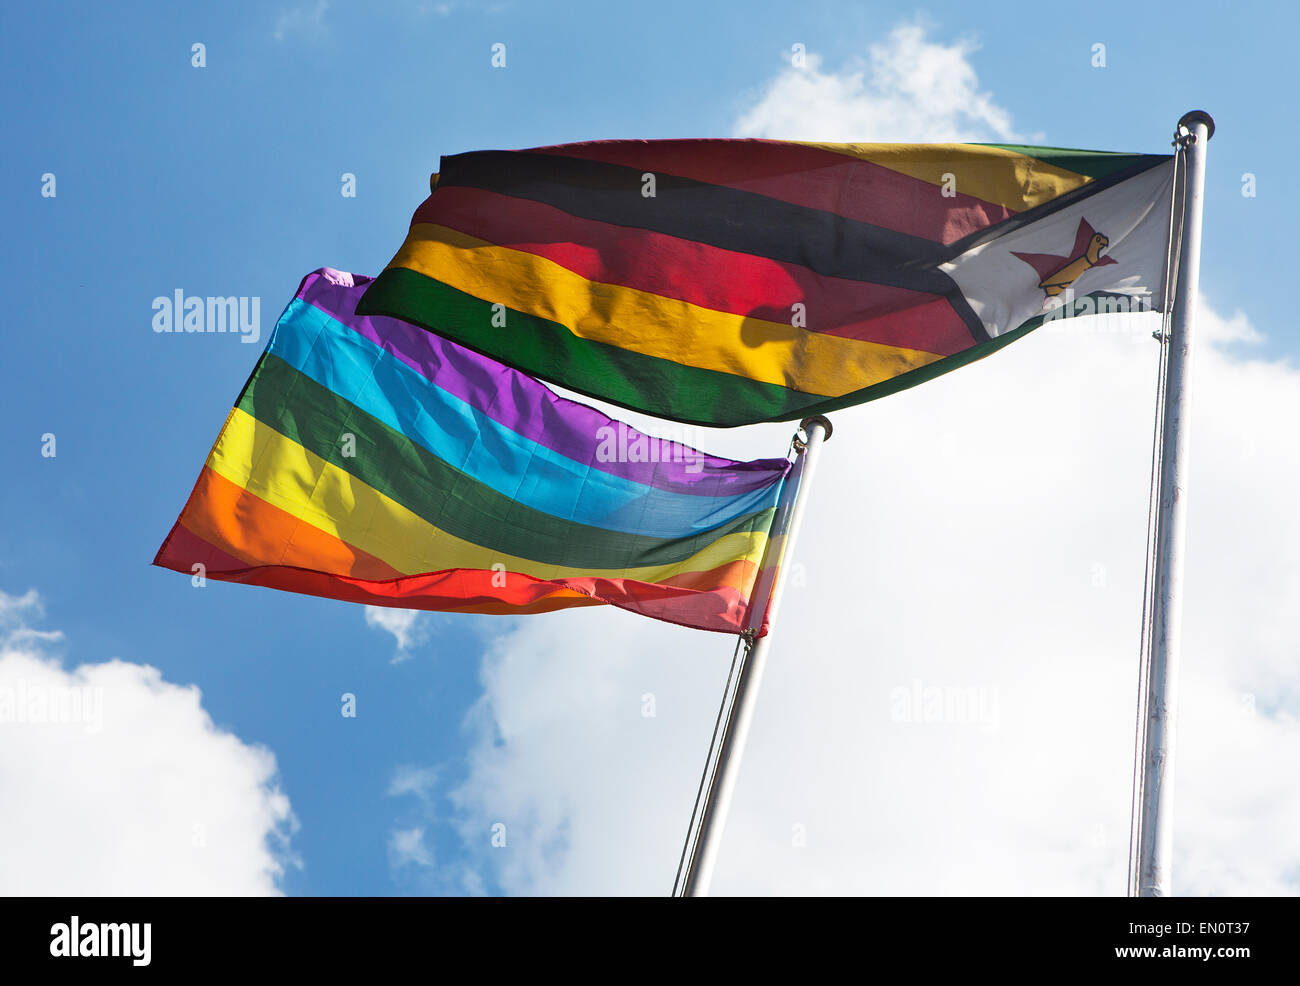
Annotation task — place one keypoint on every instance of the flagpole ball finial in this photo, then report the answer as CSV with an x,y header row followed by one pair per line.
x,y
1198,116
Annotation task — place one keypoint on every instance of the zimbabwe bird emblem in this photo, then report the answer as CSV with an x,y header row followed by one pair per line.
x,y
1058,273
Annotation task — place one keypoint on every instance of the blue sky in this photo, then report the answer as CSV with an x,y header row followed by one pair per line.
x,y
225,180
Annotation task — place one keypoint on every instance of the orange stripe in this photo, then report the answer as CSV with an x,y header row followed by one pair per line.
x,y
244,525
258,533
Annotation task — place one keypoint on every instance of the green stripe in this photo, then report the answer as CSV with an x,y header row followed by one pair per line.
x,y
587,362
316,418
546,349
1091,164
925,373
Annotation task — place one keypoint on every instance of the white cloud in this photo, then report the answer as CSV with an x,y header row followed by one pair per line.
x,y
910,88
1233,328
406,626
980,535
13,609
411,858
417,781
96,805
406,847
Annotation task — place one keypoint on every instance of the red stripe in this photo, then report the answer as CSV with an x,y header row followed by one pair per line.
x,y
184,549
806,176
703,275
470,590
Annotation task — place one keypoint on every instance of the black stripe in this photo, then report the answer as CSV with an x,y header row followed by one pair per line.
x,y
714,214
728,218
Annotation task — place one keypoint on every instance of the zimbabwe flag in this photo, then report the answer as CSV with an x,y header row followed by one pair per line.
x,y
726,282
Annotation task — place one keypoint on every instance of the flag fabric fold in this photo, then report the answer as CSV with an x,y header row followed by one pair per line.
x,y
726,282
369,460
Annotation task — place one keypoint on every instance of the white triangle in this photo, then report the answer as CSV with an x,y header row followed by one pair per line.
x,y
1133,215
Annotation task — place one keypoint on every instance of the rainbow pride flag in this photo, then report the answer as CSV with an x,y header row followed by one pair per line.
x,y
725,282
370,461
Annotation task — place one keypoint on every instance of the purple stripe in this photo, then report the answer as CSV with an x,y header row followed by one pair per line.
x,y
526,407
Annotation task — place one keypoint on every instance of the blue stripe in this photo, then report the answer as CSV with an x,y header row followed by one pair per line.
x,y
467,439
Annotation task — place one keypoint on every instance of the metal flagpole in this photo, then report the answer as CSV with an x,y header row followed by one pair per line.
x,y
701,849
1155,826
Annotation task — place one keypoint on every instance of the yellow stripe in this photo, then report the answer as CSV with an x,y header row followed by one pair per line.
x,y
282,472
647,323
993,174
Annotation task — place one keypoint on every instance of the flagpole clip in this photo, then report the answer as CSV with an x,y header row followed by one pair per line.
x,y
801,444
1184,135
